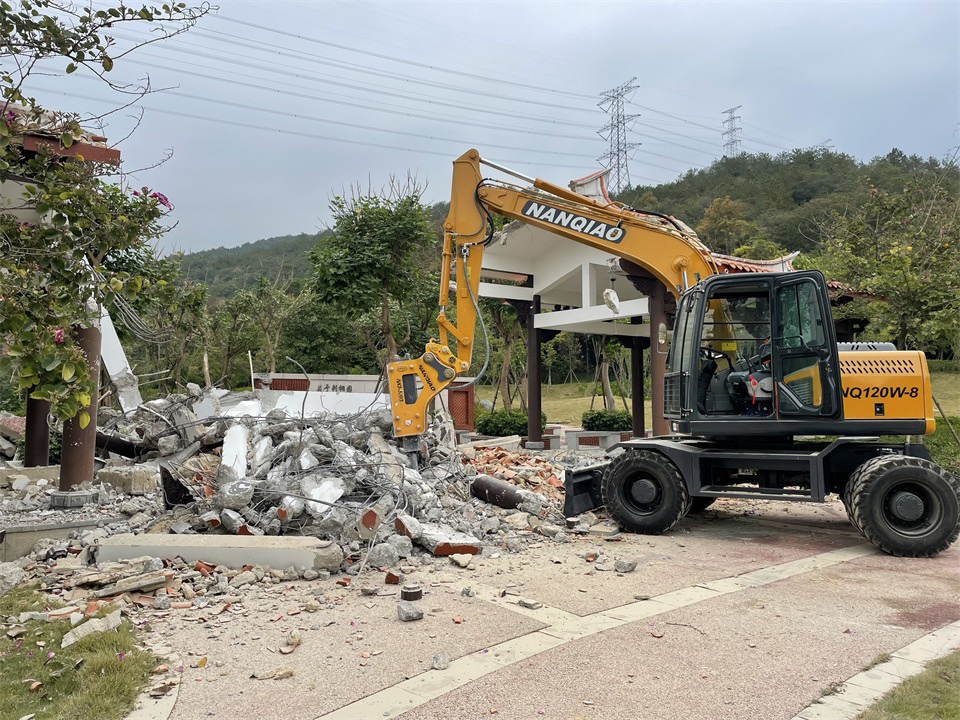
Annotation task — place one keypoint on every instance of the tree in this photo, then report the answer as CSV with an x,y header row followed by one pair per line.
x,y
725,226
88,242
904,249
368,265
46,29
271,308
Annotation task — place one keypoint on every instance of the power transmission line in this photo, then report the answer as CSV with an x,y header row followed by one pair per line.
x,y
283,131
414,63
617,157
731,144
355,126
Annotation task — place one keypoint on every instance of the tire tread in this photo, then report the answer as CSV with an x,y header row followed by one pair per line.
x,y
616,507
856,494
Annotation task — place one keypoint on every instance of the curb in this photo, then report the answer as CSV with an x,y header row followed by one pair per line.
x,y
865,688
151,708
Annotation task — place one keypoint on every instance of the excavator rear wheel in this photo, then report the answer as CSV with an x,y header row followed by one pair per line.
x,y
906,506
644,492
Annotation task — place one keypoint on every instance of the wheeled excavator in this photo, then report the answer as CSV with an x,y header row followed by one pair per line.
x,y
762,401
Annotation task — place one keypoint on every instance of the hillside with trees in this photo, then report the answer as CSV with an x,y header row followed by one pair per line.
x,y
226,270
763,203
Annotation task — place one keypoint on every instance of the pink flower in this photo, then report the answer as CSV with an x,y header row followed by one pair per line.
x,y
120,655
58,335
136,194
162,199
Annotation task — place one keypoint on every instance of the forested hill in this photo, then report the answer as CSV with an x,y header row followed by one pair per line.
x,y
226,270
782,196
775,205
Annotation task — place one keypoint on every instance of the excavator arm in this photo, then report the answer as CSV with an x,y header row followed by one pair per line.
x,y
665,248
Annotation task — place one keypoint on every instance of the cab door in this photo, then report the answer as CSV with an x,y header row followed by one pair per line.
x,y
805,366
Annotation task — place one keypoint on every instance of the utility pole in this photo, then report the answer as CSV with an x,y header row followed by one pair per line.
x,y
731,140
615,132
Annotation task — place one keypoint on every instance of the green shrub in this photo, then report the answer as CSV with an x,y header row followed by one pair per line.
x,y
607,420
56,447
11,399
944,366
501,423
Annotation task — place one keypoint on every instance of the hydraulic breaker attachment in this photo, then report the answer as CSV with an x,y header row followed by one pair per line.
x,y
582,488
414,383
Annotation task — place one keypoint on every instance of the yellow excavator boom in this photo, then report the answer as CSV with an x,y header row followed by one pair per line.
x,y
659,244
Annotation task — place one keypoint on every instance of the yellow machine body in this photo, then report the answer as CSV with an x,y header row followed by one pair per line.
x,y
886,385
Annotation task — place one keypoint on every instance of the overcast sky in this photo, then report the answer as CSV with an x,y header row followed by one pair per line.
x,y
267,99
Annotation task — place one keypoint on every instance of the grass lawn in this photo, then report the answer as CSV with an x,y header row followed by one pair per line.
x,y
97,678
566,403
934,694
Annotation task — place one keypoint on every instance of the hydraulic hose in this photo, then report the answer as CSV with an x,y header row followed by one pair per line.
x,y
483,325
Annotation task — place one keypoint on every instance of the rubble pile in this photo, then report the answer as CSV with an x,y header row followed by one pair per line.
x,y
206,466
525,470
11,432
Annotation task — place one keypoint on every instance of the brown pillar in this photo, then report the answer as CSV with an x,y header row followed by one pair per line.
x,y
534,404
79,444
658,357
636,385
36,444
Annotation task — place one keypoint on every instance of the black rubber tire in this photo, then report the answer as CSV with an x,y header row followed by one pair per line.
x,y
672,500
869,493
699,504
846,495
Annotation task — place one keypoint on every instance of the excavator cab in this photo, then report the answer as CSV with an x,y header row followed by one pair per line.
x,y
753,355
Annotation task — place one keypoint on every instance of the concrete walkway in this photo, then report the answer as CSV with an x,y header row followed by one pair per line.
x,y
753,611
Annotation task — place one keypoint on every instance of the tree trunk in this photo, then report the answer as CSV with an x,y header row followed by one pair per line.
x,y
505,376
609,403
206,367
387,327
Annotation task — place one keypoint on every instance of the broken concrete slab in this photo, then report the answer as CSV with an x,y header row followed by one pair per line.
x,y
233,551
444,540
19,540
50,473
110,622
131,479
144,582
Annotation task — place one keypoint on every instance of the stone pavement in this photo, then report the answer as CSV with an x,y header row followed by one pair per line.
x,y
750,611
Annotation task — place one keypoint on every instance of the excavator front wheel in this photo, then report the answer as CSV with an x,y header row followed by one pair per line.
x,y
644,492
906,506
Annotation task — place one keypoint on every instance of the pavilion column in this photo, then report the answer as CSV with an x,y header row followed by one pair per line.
x,y
534,370
658,356
36,450
79,444
636,383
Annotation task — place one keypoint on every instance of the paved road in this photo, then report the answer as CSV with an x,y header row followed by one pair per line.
x,y
753,610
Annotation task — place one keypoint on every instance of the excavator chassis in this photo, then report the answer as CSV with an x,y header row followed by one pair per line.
x,y
895,495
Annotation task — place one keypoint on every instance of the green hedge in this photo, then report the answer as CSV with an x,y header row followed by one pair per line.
x,y
501,423
944,366
604,420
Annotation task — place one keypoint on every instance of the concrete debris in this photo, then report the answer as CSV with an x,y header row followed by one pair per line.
x,y
383,555
408,612
234,495
522,469
440,662
622,565
94,625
